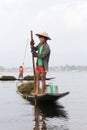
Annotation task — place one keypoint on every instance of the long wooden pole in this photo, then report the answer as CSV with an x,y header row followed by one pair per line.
x,y
31,33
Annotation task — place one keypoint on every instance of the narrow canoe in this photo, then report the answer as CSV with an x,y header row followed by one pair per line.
x,y
46,98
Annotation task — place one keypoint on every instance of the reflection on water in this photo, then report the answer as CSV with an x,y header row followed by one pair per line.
x,y
39,119
43,112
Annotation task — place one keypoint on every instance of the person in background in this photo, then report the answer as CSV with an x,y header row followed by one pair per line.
x,y
21,71
43,56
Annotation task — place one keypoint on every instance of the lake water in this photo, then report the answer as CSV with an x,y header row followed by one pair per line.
x,y
69,113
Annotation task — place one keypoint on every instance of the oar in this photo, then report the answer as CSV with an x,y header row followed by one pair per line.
x,y
33,63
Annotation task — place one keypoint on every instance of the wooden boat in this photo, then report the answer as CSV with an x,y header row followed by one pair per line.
x,y
46,98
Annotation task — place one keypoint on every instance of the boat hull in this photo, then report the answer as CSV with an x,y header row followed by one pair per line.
x,y
46,98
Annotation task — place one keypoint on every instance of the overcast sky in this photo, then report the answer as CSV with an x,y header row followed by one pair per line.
x,y
64,20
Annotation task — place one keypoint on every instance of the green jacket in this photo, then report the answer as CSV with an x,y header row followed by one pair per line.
x,y
45,55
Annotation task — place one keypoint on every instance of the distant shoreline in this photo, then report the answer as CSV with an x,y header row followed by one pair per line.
x,y
65,68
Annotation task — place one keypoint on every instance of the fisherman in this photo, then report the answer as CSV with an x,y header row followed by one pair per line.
x,y
21,71
43,56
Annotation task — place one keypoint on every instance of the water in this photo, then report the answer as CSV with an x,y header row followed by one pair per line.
x,y
68,114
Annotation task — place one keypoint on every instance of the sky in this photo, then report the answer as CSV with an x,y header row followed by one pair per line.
x,y
64,20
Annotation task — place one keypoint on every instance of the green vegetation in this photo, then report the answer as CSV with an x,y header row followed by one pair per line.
x,y
26,88
7,78
28,77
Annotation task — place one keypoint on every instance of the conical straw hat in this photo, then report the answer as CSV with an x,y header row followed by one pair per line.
x,y
44,34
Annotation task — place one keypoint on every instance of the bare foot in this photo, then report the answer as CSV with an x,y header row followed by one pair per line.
x,y
35,93
42,93
39,94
